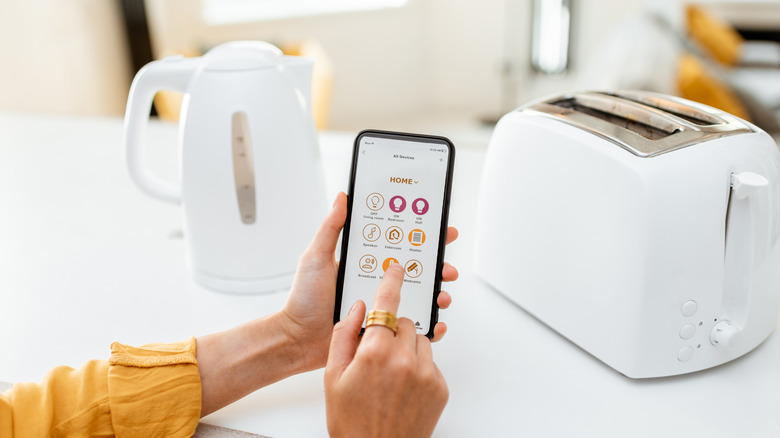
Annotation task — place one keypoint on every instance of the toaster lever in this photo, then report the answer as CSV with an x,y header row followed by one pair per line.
x,y
738,256
746,183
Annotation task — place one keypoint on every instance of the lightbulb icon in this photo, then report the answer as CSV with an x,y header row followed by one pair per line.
x,y
375,201
397,204
420,206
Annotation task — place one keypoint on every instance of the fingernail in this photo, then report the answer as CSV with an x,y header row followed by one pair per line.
x,y
335,201
352,309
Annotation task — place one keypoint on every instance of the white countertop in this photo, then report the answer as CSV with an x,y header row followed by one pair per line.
x,y
87,259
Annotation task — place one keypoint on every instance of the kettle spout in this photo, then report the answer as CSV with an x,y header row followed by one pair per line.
x,y
300,70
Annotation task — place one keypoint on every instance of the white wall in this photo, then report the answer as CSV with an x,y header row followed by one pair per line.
x,y
431,59
63,55
426,58
466,46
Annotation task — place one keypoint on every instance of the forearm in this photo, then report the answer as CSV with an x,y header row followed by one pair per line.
x,y
238,361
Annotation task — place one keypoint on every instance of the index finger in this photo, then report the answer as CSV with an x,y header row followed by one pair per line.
x,y
388,294
387,297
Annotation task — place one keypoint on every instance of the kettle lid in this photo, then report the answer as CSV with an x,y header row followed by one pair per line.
x,y
242,55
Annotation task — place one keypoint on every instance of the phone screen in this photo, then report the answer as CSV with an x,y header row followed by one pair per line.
x,y
398,208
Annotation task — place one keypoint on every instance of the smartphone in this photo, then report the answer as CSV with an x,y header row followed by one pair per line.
x,y
397,209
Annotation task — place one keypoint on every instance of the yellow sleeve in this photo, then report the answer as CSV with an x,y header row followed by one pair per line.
x,y
148,391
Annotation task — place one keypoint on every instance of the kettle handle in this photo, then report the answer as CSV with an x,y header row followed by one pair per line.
x,y
170,73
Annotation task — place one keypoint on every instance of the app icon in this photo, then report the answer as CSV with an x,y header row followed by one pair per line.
x,y
388,261
417,237
413,268
397,204
375,201
394,235
420,206
371,232
367,263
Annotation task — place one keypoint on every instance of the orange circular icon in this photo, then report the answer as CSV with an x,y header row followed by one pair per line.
x,y
394,235
367,263
417,237
388,261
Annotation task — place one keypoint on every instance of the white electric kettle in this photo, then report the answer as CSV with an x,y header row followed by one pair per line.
x,y
251,189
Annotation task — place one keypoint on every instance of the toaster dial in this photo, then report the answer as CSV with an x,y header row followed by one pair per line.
x,y
725,335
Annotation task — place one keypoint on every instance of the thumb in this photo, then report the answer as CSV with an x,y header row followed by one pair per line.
x,y
327,236
344,341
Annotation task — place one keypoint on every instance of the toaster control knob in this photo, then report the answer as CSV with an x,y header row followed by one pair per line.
x,y
725,335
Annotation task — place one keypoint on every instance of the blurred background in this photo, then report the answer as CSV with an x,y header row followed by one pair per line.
x,y
426,65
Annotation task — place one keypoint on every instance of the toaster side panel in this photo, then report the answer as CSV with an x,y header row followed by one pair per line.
x,y
559,233
688,200
696,289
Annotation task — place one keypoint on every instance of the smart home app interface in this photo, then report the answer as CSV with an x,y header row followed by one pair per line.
x,y
396,218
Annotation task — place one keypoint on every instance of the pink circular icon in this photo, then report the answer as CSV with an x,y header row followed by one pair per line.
x,y
420,206
398,203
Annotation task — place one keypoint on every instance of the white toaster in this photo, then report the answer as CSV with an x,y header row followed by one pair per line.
x,y
642,227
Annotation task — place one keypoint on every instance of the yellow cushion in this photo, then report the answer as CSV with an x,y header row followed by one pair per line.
x,y
695,83
714,35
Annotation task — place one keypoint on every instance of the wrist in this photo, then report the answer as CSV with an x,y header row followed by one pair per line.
x,y
312,343
277,349
238,361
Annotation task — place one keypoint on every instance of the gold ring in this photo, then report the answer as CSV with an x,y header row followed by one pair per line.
x,y
383,318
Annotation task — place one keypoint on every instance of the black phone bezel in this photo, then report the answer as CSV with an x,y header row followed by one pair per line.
x,y
420,138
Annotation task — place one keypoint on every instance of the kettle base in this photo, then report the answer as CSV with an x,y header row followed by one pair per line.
x,y
234,285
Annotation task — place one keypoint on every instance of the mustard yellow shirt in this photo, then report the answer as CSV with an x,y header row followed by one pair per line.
x,y
148,391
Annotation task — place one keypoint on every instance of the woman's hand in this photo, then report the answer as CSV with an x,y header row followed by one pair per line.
x,y
308,314
238,361
386,385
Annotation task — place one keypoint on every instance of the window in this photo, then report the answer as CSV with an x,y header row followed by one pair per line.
x,y
550,41
220,12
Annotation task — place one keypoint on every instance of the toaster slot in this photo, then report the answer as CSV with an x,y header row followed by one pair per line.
x,y
685,112
624,119
643,123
